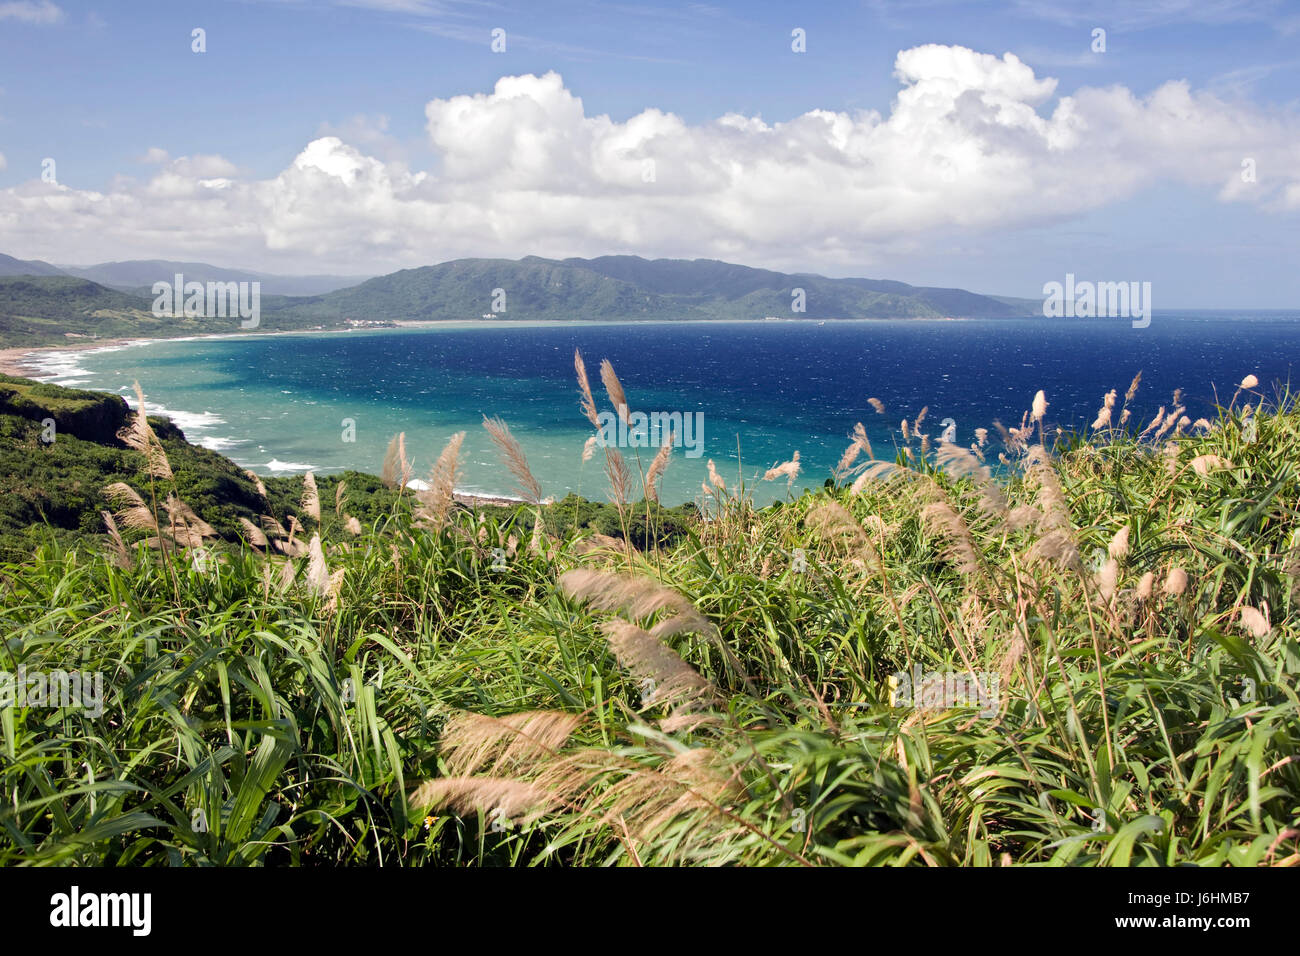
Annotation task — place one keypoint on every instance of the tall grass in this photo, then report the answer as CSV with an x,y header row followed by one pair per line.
x,y
403,696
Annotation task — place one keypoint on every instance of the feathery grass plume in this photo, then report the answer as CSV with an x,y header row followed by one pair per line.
x,y
1040,406
335,590
1203,424
139,436
839,528
691,787
981,436
1155,422
192,528
1170,421
1170,455
877,404
512,454
1250,381
435,501
1118,547
647,657
1051,497
1103,414
340,496
876,471
715,479
119,554
253,533
513,799
476,743
1204,464
788,469
960,463
1146,586
257,483
907,435
916,425
845,465
619,475
589,447
1055,547
539,534
615,390
132,512
318,572
273,527
940,520
1124,416
310,497
601,542
638,597
1176,583
584,385
396,471
291,547
657,467
860,439
1107,578
1254,622
388,473
1133,388
287,575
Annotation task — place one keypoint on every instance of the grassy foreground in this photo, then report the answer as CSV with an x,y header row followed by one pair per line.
x,y
447,686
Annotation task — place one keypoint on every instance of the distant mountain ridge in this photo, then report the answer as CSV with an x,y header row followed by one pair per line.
x,y
630,288
41,303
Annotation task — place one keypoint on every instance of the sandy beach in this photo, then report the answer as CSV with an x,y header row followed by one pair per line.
x,y
17,361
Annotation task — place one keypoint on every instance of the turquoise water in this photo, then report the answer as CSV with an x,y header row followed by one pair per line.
x,y
281,404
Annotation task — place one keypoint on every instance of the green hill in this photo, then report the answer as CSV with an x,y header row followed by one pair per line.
x,y
49,309
629,288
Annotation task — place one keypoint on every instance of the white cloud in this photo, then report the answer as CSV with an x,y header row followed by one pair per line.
x,y
4,163
973,144
31,11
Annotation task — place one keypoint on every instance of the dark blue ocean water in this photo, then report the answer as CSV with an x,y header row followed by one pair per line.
x,y
766,389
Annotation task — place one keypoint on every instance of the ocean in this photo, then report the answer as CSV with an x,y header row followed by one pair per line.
x,y
284,404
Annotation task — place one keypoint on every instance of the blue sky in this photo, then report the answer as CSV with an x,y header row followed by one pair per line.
x,y
135,121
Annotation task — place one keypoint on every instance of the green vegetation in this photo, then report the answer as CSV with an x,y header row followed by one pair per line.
x,y
63,310
46,309
442,685
629,288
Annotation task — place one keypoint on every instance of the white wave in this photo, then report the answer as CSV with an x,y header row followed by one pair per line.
x,y
214,443
276,464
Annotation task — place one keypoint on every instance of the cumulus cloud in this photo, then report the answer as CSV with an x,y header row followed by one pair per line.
x,y
973,142
31,11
